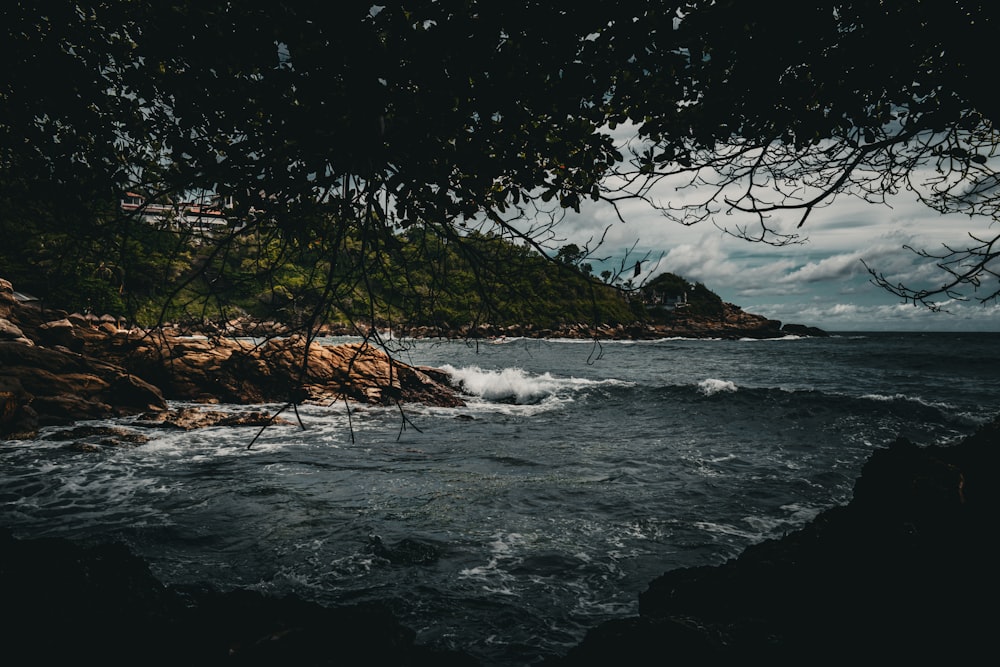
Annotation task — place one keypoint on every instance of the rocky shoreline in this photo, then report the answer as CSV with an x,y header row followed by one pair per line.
x,y
730,324
733,323
56,369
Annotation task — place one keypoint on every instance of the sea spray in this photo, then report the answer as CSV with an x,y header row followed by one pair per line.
x,y
712,386
515,385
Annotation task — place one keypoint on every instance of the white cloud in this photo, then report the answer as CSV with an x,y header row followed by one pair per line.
x,y
835,267
821,281
956,316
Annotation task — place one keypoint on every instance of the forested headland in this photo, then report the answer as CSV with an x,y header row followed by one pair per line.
x,y
483,284
418,279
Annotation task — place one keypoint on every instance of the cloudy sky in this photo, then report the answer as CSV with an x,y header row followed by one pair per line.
x,y
820,282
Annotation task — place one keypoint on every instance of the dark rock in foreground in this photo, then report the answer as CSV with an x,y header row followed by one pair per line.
x,y
905,572
67,603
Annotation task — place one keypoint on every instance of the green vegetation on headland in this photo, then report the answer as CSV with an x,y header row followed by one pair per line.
x,y
410,278
415,278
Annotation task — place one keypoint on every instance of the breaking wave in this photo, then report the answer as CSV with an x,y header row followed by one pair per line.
x,y
711,387
515,385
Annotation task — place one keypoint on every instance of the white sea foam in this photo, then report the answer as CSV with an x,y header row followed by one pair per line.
x,y
516,385
725,529
913,399
801,513
712,386
758,340
882,397
501,550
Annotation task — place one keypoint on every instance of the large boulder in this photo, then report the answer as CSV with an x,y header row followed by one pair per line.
x,y
40,386
356,371
60,332
293,368
903,573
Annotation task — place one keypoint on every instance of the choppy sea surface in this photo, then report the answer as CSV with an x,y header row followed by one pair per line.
x,y
575,475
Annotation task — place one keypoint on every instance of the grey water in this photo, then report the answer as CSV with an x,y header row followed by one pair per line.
x,y
576,474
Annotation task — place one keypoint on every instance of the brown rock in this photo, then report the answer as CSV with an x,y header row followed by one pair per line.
x,y
225,370
88,438
59,369
18,420
60,387
356,371
9,330
188,419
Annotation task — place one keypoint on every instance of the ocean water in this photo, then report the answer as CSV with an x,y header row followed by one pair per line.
x,y
576,474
